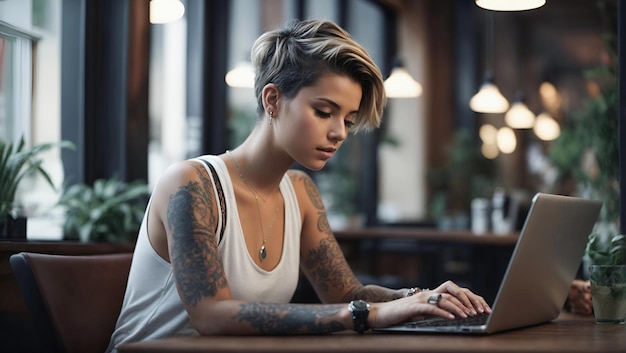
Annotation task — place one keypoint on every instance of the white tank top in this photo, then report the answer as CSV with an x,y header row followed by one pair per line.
x,y
152,307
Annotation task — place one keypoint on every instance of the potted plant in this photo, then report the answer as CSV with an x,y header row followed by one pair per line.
x,y
607,274
109,211
16,162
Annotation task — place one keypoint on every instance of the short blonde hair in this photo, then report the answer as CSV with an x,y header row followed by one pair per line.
x,y
297,54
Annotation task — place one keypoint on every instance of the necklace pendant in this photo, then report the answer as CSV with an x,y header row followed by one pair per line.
x,y
262,252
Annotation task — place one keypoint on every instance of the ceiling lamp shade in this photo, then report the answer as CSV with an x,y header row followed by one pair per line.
x,y
519,116
400,84
489,99
510,5
242,76
546,128
506,140
164,11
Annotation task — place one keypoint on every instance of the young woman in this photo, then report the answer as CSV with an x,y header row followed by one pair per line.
x,y
225,237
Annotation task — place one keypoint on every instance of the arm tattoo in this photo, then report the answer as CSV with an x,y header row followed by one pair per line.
x,y
327,266
282,319
197,265
316,200
377,294
326,263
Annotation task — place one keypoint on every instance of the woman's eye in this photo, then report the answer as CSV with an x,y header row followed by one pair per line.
x,y
349,124
322,114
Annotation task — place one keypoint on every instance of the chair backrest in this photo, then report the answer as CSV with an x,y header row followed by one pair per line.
x,y
74,300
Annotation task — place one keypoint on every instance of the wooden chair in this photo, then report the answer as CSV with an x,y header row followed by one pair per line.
x,y
74,300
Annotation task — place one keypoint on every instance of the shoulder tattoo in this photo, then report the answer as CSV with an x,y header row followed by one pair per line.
x,y
196,261
316,199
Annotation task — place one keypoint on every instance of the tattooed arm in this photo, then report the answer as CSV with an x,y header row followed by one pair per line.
x,y
322,259
324,264
182,229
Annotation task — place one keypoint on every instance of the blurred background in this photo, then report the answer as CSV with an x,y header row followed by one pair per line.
x,y
137,85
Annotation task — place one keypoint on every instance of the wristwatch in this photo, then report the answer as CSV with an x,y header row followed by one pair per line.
x,y
360,310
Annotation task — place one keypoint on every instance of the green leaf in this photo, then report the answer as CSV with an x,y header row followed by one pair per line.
x,y
108,211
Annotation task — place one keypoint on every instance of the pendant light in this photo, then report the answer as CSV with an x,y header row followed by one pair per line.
x,y
489,136
400,84
164,11
546,128
489,99
242,75
519,116
510,5
506,140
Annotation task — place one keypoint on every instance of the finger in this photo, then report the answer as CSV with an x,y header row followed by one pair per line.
x,y
453,305
478,302
461,294
475,303
439,310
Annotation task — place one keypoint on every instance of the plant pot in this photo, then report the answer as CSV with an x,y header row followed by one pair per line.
x,y
13,227
608,292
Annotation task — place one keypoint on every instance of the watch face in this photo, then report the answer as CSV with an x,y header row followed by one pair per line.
x,y
360,305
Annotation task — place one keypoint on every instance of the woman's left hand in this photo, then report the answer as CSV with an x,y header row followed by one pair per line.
x,y
471,303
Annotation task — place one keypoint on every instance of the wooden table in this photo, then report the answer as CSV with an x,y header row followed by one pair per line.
x,y
569,333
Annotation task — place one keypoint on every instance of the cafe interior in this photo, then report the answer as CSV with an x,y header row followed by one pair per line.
x,y
486,107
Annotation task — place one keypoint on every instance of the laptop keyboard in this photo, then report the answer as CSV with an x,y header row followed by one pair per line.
x,y
476,320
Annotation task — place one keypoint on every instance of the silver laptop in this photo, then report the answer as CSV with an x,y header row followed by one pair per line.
x,y
541,269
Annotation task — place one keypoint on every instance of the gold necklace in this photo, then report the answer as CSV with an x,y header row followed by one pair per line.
x,y
262,250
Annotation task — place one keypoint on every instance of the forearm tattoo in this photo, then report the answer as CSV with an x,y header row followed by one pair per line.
x,y
197,266
377,294
327,266
285,319
326,263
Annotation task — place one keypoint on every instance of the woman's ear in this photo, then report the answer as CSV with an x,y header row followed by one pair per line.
x,y
271,97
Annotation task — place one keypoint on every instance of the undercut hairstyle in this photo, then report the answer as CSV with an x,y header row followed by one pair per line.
x,y
299,53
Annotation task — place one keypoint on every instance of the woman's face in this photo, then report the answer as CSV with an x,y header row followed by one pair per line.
x,y
317,120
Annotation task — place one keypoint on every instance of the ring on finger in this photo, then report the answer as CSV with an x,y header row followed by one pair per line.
x,y
434,299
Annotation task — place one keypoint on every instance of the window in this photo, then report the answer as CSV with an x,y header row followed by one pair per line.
x,y
16,54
